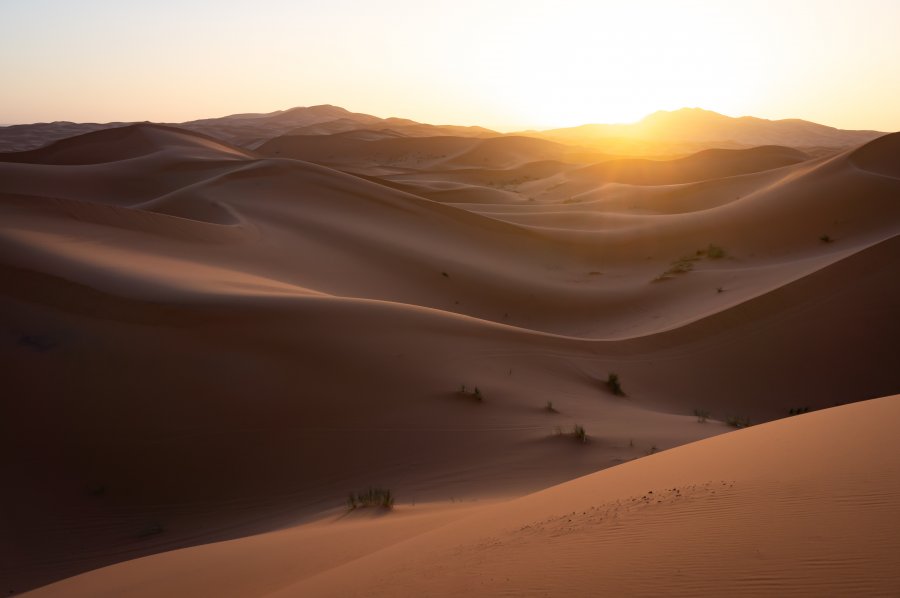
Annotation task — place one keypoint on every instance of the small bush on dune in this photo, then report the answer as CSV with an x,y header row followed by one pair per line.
x,y
736,421
798,410
702,415
474,394
579,434
826,239
681,266
373,497
614,385
685,264
550,407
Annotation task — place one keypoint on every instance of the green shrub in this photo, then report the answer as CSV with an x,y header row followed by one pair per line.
x,y
373,497
614,385
685,264
682,266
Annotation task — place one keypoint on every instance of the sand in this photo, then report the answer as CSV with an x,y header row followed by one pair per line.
x,y
778,509
208,347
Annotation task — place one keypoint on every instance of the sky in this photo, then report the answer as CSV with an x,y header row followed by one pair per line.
x,y
503,64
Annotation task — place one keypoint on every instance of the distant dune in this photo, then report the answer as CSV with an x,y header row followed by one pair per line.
x,y
374,154
705,165
208,346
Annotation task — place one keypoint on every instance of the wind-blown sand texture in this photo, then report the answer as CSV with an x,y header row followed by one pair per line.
x,y
207,347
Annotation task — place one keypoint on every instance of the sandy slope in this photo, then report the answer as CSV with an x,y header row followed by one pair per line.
x,y
202,344
803,506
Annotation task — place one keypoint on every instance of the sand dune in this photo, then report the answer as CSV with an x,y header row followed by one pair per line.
x,y
705,165
778,509
348,151
207,344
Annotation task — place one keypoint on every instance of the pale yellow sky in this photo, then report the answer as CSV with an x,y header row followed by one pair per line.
x,y
502,64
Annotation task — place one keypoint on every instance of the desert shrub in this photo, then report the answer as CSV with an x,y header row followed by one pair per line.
x,y
579,434
474,394
826,239
685,264
614,385
373,497
737,421
681,266
798,410
550,407
702,415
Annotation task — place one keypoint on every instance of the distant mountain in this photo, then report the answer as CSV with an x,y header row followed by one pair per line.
x,y
661,134
249,130
692,129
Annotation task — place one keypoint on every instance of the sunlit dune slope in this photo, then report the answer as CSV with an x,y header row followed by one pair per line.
x,y
708,164
556,181
801,506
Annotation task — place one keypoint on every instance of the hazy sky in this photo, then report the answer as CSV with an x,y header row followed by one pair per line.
x,y
503,64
